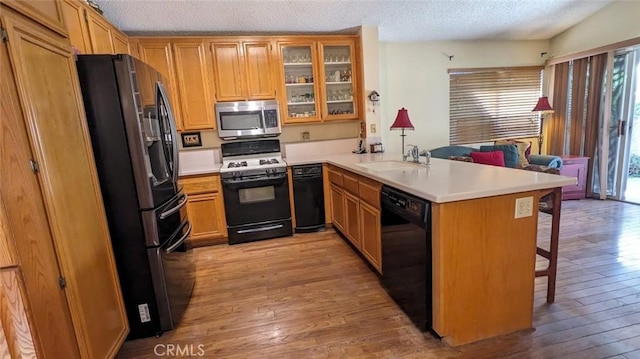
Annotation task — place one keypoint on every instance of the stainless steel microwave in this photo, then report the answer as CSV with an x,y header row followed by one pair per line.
x,y
247,119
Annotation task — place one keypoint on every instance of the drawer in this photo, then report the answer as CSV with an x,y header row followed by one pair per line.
x,y
369,191
201,184
335,177
350,183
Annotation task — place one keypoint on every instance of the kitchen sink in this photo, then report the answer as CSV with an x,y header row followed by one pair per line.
x,y
390,165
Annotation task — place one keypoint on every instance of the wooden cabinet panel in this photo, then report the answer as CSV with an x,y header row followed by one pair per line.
x,y
352,220
369,191
201,184
226,68
370,232
77,25
157,53
335,176
16,331
26,223
205,208
192,70
99,33
350,183
337,207
45,12
333,64
48,87
134,49
298,81
259,71
338,79
205,213
120,42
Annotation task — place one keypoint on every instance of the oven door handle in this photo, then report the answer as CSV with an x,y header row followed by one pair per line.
x,y
182,239
266,179
260,229
183,202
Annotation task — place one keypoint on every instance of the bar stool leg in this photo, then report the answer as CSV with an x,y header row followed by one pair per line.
x,y
553,250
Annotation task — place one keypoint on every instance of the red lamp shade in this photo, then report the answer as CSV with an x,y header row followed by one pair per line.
x,y
402,120
543,105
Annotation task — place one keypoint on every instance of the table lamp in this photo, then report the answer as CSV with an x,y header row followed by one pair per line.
x,y
402,122
543,108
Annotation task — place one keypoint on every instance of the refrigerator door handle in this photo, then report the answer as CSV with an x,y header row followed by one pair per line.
x,y
174,132
182,203
181,240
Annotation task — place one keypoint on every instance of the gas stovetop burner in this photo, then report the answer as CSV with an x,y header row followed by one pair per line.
x,y
271,161
237,164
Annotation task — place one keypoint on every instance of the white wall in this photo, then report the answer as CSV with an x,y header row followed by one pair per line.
x,y
617,22
371,77
415,76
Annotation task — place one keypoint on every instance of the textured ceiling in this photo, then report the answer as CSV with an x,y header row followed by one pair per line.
x,y
397,20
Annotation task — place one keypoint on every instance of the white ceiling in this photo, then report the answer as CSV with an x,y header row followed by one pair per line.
x,y
397,20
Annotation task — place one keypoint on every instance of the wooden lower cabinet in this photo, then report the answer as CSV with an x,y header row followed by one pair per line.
x,y
352,220
205,209
370,231
355,211
337,207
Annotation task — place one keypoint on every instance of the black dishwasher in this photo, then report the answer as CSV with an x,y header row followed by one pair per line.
x,y
308,198
406,254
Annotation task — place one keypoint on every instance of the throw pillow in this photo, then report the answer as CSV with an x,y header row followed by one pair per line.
x,y
510,153
494,158
524,150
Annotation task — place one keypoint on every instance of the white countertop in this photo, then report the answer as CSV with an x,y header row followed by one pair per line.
x,y
444,180
441,181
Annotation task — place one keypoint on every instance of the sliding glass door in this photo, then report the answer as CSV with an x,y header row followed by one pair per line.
x,y
623,160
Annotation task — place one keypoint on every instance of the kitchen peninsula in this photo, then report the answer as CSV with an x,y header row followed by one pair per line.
x,y
483,260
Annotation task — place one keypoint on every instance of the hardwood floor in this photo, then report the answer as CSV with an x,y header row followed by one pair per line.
x,y
311,296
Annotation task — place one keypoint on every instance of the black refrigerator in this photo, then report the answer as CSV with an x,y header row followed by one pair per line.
x,y
133,136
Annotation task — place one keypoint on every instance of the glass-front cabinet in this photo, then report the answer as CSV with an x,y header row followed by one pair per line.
x,y
300,95
319,80
338,73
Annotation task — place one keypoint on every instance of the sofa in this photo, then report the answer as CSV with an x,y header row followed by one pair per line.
x,y
512,156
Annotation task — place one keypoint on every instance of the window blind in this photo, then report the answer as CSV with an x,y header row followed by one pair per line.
x,y
493,104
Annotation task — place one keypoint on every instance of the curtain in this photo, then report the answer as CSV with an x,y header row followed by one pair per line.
x,y
555,123
597,68
578,110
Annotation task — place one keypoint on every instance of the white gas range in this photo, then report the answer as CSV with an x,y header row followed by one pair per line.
x,y
255,190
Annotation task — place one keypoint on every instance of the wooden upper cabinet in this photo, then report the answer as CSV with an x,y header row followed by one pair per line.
x,y
157,52
99,33
77,25
243,70
260,84
120,42
46,12
227,62
90,33
299,95
338,79
134,47
192,71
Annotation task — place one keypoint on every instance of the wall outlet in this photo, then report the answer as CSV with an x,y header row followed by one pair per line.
x,y
373,128
306,136
524,207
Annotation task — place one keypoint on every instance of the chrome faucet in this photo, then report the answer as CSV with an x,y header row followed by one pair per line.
x,y
414,153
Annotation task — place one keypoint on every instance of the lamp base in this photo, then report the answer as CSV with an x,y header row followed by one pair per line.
x,y
540,140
